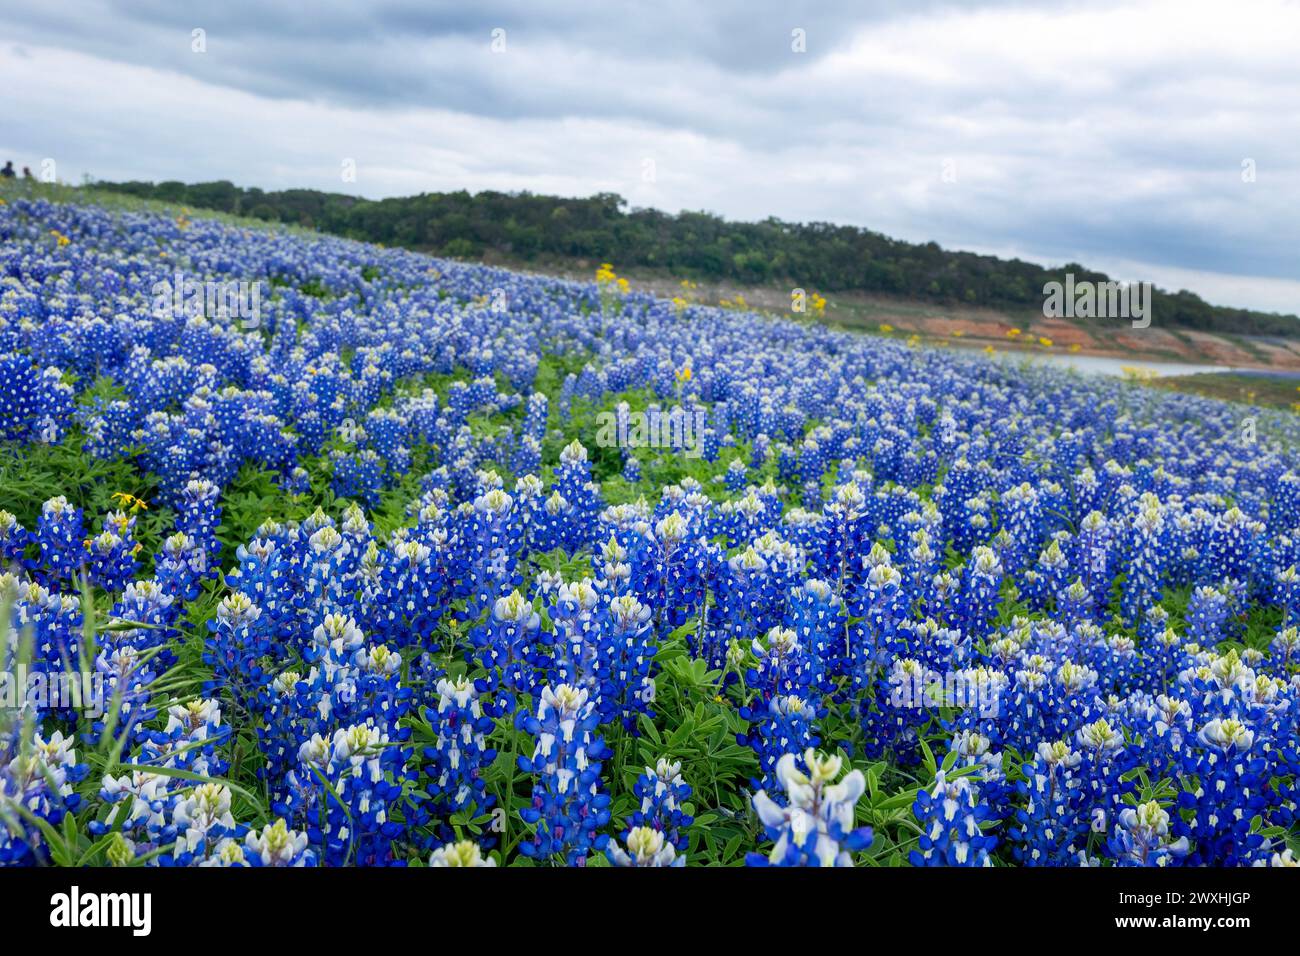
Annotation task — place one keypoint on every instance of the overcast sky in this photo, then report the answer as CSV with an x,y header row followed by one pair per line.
x,y
1117,135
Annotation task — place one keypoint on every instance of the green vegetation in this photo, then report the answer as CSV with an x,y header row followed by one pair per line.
x,y
1276,391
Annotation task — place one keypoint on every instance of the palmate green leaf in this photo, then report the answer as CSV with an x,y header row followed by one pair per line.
x,y
651,731
872,775
680,634
730,851
904,798
669,652
927,757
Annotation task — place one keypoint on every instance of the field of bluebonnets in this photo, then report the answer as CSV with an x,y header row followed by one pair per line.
x,y
360,582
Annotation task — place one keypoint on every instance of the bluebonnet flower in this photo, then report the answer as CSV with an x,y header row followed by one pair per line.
x,y
50,621
406,598
1286,648
35,403
238,640
1021,513
624,659
736,476
978,600
157,810
1046,580
1075,603
110,558
277,845
460,755
198,514
512,648
38,774
974,749
1206,612
1229,545
352,820
1052,827
881,605
1285,590
535,416
951,817
357,475
778,725
816,616
782,665
645,847
678,564
574,485
182,566
13,541
462,853
813,825
205,827
663,794
631,468
1146,558
493,539
60,535
1227,762
568,807
1142,837
746,597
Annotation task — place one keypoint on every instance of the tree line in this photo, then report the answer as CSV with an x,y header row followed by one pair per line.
x,y
526,227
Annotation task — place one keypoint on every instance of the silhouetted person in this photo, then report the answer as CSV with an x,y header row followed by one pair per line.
x,y
27,173
8,171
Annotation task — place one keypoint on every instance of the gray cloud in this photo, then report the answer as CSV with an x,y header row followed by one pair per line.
x,y
1085,133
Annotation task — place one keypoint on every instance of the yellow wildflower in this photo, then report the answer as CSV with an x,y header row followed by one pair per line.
x,y
129,500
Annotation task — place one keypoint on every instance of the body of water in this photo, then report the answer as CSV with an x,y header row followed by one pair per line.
x,y
1107,365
